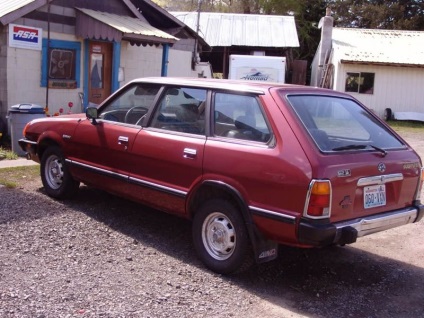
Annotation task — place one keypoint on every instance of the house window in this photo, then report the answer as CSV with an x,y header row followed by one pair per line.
x,y
61,63
362,83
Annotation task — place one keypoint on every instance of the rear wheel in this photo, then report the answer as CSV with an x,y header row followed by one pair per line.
x,y
57,181
220,237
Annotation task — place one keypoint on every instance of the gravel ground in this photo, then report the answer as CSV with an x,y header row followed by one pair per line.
x,y
101,256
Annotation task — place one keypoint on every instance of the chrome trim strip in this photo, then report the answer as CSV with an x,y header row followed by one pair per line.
x,y
127,178
158,187
273,215
385,178
100,170
380,222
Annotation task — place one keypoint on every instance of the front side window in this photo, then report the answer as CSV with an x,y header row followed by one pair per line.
x,y
131,105
362,83
240,117
338,124
181,109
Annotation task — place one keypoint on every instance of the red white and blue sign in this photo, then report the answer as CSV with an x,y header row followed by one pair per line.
x,y
25,37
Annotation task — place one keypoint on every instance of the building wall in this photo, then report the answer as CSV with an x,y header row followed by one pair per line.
x,y
145,61
140,61
3,71
20,69
398,88
180,63
24,80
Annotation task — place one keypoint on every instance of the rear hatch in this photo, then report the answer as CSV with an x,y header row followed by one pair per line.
x,y
370,168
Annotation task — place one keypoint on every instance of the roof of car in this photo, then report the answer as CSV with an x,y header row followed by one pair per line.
x,y
236,85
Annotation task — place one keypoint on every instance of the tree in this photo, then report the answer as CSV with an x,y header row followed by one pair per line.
x,y
378,14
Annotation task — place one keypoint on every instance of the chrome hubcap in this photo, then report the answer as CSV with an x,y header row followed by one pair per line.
x,y
219,236
54,172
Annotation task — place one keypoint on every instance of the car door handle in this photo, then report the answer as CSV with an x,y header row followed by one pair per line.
x,y
190,153
122,140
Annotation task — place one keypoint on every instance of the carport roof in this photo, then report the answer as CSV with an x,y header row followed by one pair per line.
x,y
254,30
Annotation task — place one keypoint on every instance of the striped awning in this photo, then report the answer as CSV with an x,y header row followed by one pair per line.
x,y
99,25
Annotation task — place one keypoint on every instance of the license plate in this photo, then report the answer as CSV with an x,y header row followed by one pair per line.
x,y
374,196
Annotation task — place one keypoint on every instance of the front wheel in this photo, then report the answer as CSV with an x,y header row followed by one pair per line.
x,y
220,237
57,181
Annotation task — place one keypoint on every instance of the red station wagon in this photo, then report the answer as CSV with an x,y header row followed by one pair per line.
x,y
253,165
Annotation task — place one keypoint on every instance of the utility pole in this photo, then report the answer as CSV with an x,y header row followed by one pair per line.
x,y
196,57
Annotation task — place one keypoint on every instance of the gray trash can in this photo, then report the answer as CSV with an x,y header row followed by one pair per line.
x,y
19,116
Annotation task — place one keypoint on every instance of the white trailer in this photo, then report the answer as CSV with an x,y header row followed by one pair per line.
x,y
257,68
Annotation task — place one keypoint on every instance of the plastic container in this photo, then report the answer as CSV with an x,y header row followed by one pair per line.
x,y
19,116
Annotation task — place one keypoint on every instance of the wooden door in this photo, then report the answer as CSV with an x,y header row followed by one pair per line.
x,y
100,72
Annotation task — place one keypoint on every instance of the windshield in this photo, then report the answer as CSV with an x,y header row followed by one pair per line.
x,y
339,124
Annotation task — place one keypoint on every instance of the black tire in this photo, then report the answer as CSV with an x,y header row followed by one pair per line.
x,y
388,114
220,237
57,181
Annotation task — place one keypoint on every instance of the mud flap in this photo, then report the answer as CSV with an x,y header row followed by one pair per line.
x,y
265,250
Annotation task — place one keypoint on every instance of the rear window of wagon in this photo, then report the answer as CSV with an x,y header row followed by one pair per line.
x,y
338,124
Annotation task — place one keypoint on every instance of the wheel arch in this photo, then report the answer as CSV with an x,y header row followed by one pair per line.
x,y
46,142
212,189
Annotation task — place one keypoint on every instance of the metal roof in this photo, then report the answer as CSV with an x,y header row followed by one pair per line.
x,y
127,25
8,6
225,29
378,46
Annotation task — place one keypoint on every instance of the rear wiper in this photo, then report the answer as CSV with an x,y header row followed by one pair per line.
x,y
383,152
358,146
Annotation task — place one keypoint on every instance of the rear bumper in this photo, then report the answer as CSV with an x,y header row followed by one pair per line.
x,y
348,231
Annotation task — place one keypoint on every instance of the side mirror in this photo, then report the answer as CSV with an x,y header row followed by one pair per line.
x,y
92,114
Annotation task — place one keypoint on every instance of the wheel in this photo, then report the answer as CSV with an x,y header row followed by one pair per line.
x,y
57,181
220,237
387,114
131,110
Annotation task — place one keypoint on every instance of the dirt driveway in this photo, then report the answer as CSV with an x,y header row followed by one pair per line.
x,y
100,256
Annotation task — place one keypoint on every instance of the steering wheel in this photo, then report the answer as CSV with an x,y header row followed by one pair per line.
x,y
132,109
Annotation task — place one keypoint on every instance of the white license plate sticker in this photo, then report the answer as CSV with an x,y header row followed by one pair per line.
x,y
374,196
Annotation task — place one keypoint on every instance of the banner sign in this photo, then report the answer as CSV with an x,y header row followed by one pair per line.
x,y
25,37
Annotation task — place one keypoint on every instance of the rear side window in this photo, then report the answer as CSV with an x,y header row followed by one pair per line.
x,y
339,124
239,117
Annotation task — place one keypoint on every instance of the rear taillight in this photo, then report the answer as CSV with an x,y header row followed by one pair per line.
x,y
420,185
318,200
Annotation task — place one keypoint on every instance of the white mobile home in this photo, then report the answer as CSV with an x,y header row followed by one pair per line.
x,y
384,69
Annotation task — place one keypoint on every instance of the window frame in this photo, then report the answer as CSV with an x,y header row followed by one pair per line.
x,y
60,44
174,123
360,79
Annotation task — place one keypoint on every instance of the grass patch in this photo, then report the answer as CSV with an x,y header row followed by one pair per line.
x,y
13,177
7,154
406,125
